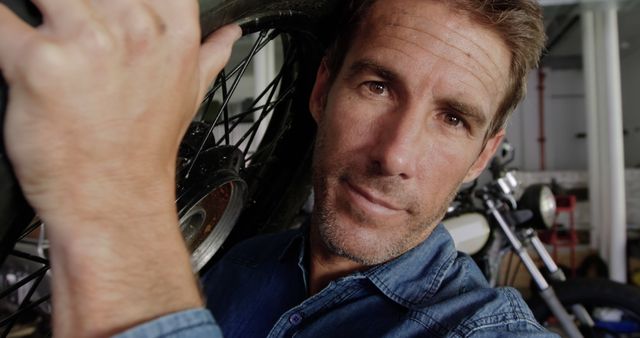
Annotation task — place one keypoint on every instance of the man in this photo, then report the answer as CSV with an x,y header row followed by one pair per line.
x,y
414,107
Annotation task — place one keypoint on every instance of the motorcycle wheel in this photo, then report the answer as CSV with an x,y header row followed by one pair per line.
x,y
614,307
277,172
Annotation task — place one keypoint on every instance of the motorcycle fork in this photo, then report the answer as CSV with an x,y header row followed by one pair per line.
x,y
556,274
544,289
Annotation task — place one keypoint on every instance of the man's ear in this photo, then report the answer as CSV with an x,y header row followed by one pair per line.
x,y
318,99
484,157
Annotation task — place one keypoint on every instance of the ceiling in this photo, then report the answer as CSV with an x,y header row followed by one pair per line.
x,y
563,27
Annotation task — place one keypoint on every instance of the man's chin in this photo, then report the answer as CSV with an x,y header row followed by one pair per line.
x,y
361,243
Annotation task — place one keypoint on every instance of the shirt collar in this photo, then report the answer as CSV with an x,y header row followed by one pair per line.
x,y
295,250
414,277
409,280
295,246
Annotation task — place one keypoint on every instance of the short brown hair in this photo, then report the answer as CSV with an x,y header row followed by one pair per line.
x,y
518,22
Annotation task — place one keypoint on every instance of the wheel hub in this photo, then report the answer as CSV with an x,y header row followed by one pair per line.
x,y
211,197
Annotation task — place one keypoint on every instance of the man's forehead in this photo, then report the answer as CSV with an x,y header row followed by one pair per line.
x,y
451,35
440,20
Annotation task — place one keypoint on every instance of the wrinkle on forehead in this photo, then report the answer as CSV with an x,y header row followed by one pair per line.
x,y
439,24
452,60
466,53
459,36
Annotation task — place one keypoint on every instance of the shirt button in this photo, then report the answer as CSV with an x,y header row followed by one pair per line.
x,y
295,319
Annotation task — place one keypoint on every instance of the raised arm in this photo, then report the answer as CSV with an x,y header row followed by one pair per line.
x,y
100,96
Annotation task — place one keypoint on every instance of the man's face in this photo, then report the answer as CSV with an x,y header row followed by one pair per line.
x,y
402,126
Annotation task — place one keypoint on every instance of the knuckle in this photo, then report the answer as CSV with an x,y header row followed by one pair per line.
x,y
90,39
98,41
41,59
140,36
143,31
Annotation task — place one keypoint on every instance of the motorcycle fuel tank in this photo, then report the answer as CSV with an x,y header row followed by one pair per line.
x,y
470,231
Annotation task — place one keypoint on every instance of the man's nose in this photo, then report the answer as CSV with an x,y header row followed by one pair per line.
x,y
397,148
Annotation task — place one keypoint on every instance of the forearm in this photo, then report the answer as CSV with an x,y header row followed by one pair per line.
x,y
110,277
105,91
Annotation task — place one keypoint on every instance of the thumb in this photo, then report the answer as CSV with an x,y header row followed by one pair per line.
x,y
215,52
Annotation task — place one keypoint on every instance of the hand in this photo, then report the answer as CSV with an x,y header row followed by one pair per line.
x,y
105,88
100,96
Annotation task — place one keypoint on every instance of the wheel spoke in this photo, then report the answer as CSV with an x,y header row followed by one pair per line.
x,y
225,94
207,108
266,109
253,52
275,85
30,257
272,85
237,119
241,64
254,129
29,230
274,142
32,290
244,114
41,272
28,307
270,88
230,123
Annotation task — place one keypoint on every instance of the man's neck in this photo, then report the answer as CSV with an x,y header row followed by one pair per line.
x,y
325,266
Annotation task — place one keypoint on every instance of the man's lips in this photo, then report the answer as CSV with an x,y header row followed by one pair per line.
x,y
371,197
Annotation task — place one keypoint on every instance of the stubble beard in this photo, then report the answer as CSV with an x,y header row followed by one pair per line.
x,y
371,250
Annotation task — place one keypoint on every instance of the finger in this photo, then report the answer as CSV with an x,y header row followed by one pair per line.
x,y
129,20
64,14
215,53
14,34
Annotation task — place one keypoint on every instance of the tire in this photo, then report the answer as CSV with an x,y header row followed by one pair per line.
x,y
593,266
596,295
278,179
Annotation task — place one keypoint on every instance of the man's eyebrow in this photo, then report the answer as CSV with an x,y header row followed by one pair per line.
x,y
366,65
470,111
467,110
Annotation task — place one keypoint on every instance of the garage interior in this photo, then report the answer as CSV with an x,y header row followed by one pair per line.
x,y
578,131
580,124
578,127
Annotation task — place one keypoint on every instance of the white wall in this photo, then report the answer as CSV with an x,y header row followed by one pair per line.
x,y
564,119
522,131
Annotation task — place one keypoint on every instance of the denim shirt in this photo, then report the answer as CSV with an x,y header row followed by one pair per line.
x,y
192,323
259,289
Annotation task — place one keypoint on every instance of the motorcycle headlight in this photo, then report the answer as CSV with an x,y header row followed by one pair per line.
x,y
547,206
540,200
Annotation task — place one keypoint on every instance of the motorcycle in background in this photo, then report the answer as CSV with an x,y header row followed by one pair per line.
x,y
488,222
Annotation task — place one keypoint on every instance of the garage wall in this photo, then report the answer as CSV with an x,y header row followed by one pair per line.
x,y
565,123
565,120
567,158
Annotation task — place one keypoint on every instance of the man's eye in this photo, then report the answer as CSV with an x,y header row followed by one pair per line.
x,y
377,88
453,120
